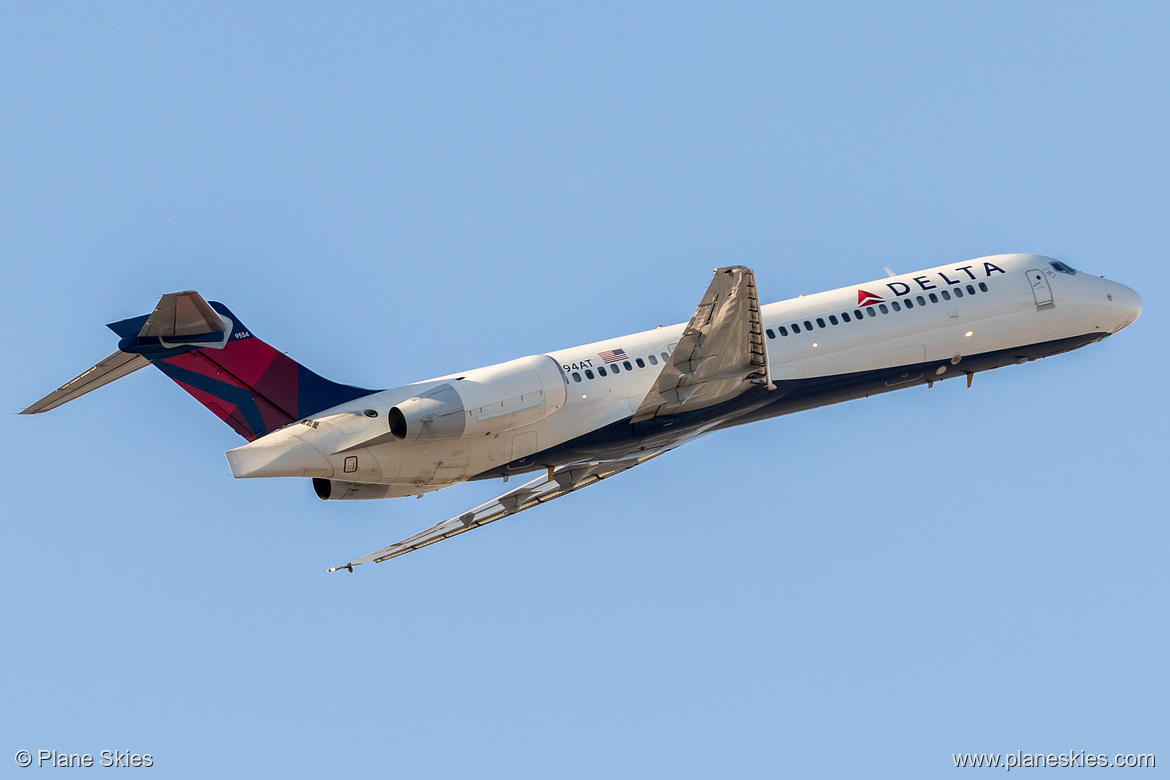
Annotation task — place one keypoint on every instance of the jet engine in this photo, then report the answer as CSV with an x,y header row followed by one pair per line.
x,y
337,490
485,401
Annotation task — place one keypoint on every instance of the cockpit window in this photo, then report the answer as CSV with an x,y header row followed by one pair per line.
x,y
1064,268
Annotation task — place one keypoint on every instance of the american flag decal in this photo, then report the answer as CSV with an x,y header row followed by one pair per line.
x,y
613,356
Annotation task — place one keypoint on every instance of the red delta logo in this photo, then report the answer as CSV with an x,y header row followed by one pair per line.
x,y
899,289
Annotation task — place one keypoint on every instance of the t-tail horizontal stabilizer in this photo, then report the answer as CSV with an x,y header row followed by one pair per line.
x,y
114,367
178,316
208,352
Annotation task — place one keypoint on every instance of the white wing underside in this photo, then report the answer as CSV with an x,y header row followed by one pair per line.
x,y
564,480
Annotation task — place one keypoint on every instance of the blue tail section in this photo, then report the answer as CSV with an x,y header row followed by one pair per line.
x,y
248,384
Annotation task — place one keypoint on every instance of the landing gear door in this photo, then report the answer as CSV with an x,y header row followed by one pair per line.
x,y
1040,289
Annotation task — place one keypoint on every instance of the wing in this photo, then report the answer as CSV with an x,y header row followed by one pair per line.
x,y
721,351
560,482
114,367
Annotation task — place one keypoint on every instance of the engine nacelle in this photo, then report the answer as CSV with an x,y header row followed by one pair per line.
x,y
487,400
436,414
336,490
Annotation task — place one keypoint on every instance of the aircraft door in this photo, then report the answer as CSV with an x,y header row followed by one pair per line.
x,y
1040,289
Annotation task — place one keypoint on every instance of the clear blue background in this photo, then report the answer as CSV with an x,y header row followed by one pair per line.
x,y
395,191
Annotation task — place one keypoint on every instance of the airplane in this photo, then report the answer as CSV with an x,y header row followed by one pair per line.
x,y
586,413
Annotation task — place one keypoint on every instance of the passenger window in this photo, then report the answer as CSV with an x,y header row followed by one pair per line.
x,y
832,319
970,290
588,374
857,314
933,298
614,368
665,357
653,360
820,322
946,295
771,335
909,303
884,309
795,328
895,306
921,301
845,316
626,363
869,310
983,287
958,292
807,325
601,371
641,363
576,376
783,331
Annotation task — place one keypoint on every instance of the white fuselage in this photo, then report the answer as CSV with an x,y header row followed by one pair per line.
x,y
924,326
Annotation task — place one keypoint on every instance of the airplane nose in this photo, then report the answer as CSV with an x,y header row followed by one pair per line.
x,y
1127,301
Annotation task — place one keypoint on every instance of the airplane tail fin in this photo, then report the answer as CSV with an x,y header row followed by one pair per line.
x,y
207,350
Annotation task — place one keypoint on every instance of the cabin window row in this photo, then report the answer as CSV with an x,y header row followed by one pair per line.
x,y
616,368
908,302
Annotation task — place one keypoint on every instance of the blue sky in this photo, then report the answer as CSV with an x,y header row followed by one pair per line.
x,y
392,192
